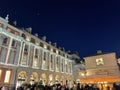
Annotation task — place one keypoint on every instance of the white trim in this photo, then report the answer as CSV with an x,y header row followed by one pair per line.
x,y
20,55
23,65
35,67
8,52
51,70
43,69
5,32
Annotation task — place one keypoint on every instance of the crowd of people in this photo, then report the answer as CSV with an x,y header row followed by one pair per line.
x,y
77,86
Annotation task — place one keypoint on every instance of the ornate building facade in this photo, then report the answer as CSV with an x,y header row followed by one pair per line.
x,y
27,58
101,69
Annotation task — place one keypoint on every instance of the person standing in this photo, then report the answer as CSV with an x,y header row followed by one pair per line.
x,y
78,86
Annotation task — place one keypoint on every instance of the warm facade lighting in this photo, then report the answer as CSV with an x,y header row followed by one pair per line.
x,y
99,61
45,46
50,78
28,38
82,74
7,76
57,51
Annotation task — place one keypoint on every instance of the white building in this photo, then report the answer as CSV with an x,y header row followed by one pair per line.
x,y
25,58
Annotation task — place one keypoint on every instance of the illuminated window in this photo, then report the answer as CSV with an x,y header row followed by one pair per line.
x,y
57,51
35,60
24,60
99,61
27,38
7,76
35,63
45,46
66,66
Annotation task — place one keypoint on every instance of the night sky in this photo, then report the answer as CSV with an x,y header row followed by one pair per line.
x,y
84,25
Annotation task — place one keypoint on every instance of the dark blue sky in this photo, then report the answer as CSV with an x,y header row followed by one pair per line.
x,y
84,25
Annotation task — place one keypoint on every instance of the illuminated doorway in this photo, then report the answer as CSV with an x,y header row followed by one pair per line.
x,y
57,79
50,79
21,78
33,78
43,78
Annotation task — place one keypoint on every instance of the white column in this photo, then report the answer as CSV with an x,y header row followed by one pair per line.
x,y
42,54
28,53
55,63
8,52
20,53
54,59
47,60
40,58
59,65
71,67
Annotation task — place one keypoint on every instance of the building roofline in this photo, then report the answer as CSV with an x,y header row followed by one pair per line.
x,y
99,54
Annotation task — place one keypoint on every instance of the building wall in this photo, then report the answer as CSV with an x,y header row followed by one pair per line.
x,y
25,57
106,66
78,71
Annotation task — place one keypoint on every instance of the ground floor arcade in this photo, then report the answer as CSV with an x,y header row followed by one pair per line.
x,y
17,76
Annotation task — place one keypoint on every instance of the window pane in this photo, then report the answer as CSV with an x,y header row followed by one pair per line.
x,y
14,43
26,48
5,40
7,76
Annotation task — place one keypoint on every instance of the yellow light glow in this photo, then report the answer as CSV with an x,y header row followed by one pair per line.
x,y
7,76
57,51
99,61
82,74
28,38
50,78
45,46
